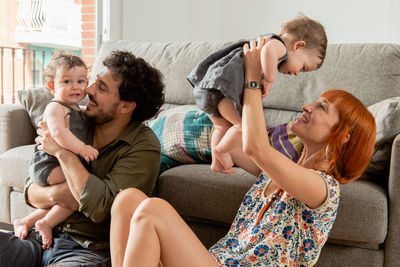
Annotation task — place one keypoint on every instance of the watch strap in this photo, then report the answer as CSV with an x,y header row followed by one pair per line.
x,y
253,85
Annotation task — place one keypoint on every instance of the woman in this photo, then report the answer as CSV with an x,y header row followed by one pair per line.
x,y
285,217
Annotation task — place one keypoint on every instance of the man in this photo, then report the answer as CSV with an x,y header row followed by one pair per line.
x,y
127,92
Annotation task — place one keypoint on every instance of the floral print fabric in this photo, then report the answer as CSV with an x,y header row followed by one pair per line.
x,y
289,234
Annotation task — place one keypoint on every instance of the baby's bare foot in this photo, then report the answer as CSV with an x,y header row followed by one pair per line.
x,y
47,233
20,228
216,166
225,159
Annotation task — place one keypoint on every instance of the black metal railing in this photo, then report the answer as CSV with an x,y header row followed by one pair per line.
x,y
20,68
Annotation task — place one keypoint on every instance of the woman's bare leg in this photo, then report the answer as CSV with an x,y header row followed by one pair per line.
x,y
124,205
157,233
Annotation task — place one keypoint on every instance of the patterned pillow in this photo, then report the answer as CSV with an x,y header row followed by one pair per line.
x,y
184,135
386,114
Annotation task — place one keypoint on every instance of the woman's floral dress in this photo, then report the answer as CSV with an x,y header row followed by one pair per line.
x,y
289,233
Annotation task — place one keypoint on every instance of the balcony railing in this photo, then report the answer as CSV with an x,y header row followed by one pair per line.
x,y
20,68
54,23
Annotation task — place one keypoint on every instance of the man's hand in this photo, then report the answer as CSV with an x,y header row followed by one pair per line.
x,y
46,141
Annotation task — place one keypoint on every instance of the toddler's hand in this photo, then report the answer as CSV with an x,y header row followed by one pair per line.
x,y
89,153
266,88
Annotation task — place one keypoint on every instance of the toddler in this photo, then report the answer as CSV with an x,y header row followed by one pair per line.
x,y
66,76
218,80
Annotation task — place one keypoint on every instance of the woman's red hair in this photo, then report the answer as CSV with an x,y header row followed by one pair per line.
x,y
347,160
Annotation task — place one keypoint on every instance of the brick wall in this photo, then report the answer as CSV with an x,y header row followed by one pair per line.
x,y
88,30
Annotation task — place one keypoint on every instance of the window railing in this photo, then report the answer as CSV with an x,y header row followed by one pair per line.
x,y
51,22
20,68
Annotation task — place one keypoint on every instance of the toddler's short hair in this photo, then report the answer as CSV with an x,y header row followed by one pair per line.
x,y
302,28
62,58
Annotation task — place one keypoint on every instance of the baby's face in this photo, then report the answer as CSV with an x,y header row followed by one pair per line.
x,y
300,60
70,84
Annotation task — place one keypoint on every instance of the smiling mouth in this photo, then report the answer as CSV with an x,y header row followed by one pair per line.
x,y
304,119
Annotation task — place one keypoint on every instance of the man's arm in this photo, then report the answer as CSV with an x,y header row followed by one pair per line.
x,y
48,196
138,168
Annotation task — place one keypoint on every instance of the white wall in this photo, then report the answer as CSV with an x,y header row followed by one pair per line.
x,y
348,21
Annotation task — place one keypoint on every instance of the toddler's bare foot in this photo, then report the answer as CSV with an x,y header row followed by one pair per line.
x,y
217,167
225,159
20,228
46,231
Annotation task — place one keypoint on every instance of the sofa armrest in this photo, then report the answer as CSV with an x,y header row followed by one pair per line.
x,y
392,255
16,127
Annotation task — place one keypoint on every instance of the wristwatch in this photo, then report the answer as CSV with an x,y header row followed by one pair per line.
x,y
253,85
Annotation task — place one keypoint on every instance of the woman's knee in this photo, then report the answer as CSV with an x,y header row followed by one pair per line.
x,y
127,201
151,209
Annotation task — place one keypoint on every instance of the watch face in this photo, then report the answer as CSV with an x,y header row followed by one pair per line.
x,y
252,85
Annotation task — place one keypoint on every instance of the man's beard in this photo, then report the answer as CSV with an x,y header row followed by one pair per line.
x,y
102,117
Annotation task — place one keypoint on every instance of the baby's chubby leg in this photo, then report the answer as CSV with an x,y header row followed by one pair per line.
x,y
56,215
232,137
22,226
221,162
56,176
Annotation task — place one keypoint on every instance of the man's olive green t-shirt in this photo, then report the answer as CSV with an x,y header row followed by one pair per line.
x,y
131,160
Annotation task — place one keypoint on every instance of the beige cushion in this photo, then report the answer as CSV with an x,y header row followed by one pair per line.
x,y
369,71
34,101
387,118
14,164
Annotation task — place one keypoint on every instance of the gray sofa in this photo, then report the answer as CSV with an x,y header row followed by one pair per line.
x,y
367,228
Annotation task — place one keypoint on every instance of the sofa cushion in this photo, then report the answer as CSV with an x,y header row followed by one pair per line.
x,y
184,134
204,194
34,101
369,71
387,118
362,214
14,164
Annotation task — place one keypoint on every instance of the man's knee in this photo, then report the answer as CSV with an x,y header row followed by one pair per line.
x,y
19,252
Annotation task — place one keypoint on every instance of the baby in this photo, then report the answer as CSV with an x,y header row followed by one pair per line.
x,y
218,80
66,76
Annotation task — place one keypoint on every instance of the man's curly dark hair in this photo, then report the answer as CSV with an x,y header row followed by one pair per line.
x,y
141,83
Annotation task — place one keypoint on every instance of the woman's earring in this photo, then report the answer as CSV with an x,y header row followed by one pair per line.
x,y
327,152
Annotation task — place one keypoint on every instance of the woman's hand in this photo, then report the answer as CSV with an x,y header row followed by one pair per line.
x,y
252,61
46,141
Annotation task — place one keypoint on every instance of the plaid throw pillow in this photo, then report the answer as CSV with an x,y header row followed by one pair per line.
x,y
184,137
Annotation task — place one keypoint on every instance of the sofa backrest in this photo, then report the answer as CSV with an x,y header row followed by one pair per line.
x,y
369,71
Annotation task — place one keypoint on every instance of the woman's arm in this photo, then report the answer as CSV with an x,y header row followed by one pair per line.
x,y
300,182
